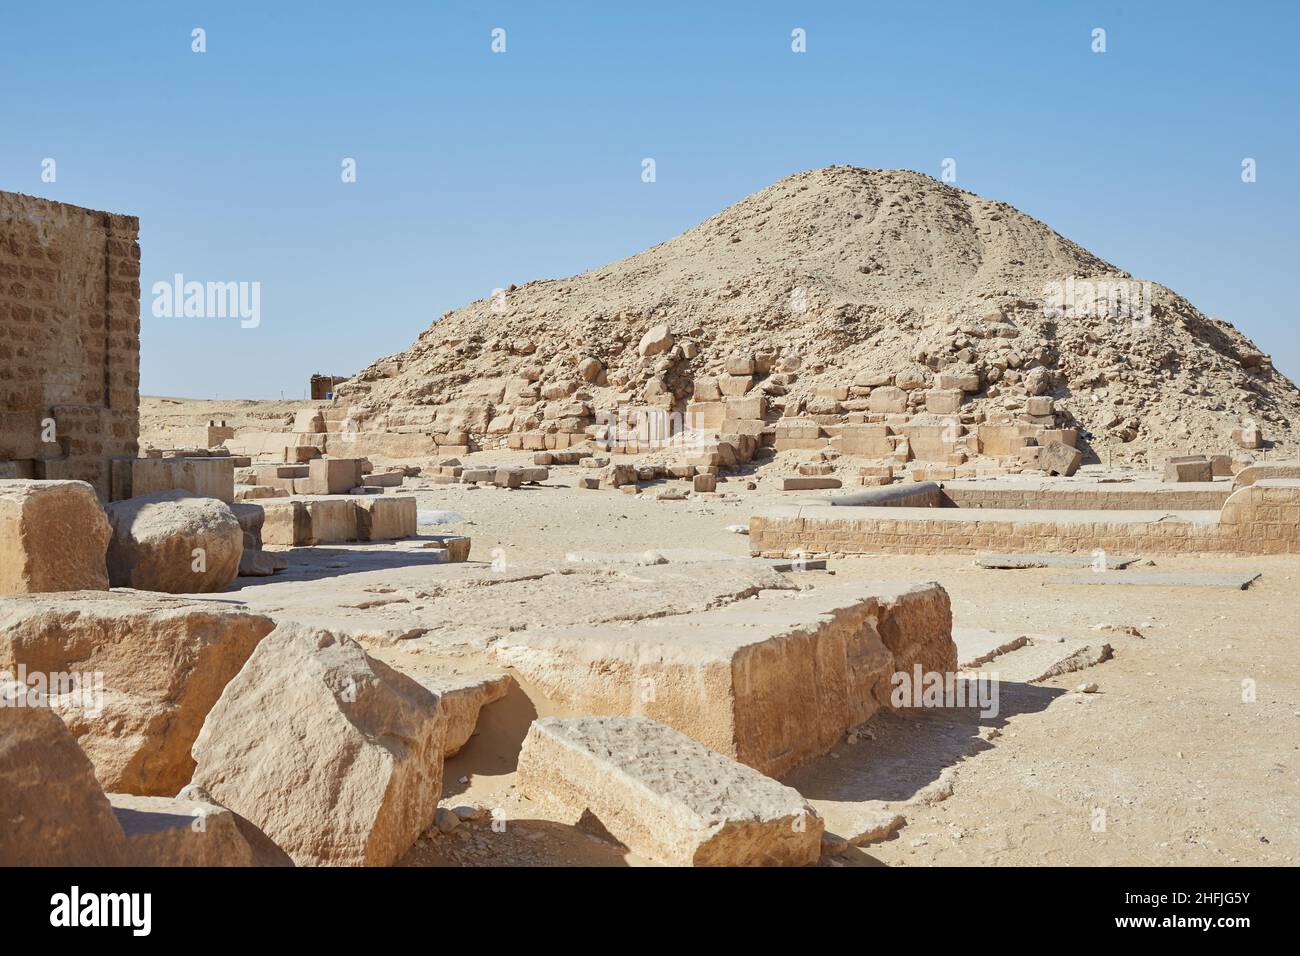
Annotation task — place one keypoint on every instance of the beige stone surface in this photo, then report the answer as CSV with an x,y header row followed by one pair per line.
x,y
167,831
201,477
148,670
666,796
771,681
52,810
174,542
53,537
385,517
332,754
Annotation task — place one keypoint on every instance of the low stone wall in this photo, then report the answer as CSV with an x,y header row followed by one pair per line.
x,y
1065,496
1263,518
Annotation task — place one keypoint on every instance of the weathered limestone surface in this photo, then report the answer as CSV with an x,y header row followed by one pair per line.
x,y
462,691
201,477
53,537
1261,518
70,334
174,543
52,811
167,831
665,796
772,681
385,517
164,664
332,754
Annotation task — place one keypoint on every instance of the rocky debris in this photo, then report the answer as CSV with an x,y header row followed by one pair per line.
x,y
335,756
169,831
665,796
139,675
174,543
53,537
52,810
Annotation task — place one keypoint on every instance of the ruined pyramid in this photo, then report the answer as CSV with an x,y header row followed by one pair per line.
x,y
838,282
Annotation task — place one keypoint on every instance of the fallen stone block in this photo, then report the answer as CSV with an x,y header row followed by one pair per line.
x,y
54,811
286,523
335,756
201,477
385,517
457,545
174,543
132,676
1189,468
705,483
1058,458
771,681
167,831
665,796
260,564
807,483
53,537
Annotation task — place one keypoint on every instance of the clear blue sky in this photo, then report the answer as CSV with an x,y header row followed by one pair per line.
x,y
476,169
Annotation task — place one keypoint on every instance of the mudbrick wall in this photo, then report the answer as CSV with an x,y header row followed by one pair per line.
x,y
69,340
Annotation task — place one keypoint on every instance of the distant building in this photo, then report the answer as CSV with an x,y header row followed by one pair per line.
x,y
322,386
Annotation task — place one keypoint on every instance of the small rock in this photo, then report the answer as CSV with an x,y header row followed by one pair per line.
x,y
445,820
1088,688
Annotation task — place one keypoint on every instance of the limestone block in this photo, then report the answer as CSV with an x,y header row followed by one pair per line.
x,y
175,543
201,477
334,755
138,675
54,812
167,831
333,476
385,517
665,796
1058,458
53,537
887,398
1189,468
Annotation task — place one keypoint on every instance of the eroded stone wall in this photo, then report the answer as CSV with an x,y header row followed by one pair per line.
x,y
69,339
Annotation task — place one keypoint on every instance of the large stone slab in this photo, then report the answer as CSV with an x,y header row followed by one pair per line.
x,y
175,543
52,811
1239,580
771,681
132,676
332,754
665,796
53,537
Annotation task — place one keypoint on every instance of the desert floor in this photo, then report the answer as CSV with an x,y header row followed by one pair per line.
x,y
1185,768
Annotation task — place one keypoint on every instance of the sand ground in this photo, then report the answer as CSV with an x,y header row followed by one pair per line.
x,y
1170,762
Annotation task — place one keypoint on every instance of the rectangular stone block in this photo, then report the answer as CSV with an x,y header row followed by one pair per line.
x,y
53,537
333,476
665,796
385,517
805,483
205,477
